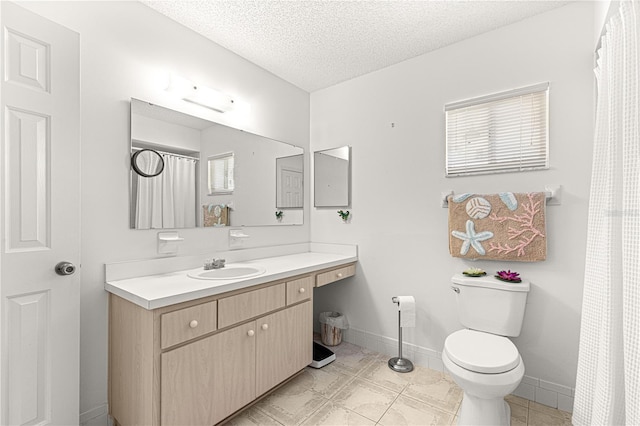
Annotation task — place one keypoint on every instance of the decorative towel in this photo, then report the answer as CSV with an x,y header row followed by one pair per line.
x,y
215,215
505,226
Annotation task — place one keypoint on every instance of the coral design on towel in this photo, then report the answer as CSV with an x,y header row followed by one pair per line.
x,y
526,231
505,226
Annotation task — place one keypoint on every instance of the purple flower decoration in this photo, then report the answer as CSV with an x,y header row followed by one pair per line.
x,y
508,276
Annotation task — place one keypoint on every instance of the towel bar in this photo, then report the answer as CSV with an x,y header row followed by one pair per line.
x,y
552,193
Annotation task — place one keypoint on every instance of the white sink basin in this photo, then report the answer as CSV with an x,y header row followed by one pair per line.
x,y
229,272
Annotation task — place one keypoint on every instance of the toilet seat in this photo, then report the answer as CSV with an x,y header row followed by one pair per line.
x,y
481,352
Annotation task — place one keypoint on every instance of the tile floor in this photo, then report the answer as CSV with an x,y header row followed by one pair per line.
x,y
358,388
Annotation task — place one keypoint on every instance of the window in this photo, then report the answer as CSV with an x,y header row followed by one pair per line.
x,y
503,132
221,174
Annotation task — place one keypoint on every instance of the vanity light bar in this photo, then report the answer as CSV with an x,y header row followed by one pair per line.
x,y
199,95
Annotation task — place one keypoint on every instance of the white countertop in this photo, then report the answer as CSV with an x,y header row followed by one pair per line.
x,y
156,291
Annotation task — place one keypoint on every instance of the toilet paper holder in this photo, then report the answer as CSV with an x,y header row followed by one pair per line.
x,y
399,364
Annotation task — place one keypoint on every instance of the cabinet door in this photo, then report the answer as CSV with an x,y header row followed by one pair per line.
x,y
205,381
284,346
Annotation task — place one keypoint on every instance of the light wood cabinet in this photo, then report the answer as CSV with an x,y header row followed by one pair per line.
x,y
333,275
131,363
279,352
240,307
187,323
299,290
205,381
196,363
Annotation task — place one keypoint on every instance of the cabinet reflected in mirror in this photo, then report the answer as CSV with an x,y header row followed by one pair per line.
x,y
332,177
209,169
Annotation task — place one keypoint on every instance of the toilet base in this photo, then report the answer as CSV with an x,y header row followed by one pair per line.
x,y
483,400
479,411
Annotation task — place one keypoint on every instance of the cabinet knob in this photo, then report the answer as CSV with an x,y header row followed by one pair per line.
x,y
339,275
301,290
193,324
250,333
265,326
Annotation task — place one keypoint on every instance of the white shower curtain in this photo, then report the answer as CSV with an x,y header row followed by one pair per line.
x,y
168,200
608,381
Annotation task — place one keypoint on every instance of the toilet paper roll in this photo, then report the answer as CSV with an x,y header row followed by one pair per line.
x,y
407,308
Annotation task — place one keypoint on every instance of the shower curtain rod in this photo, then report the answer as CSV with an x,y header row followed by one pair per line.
x,y
169,153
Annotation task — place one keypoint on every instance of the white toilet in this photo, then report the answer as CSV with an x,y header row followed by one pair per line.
x,y
481,360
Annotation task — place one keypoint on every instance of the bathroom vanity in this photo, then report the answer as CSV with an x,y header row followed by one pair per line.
x,y
184,350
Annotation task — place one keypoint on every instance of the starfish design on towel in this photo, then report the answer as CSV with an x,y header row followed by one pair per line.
x,y
472,239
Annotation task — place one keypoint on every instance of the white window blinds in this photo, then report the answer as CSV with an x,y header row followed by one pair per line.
x,y
504,132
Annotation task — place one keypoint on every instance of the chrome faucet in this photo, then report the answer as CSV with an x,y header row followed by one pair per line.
x,y
214,264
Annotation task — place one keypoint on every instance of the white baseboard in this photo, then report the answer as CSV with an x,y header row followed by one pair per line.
x,y
97,416
531,388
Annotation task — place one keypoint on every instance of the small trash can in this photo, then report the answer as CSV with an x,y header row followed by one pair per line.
x,y
331,326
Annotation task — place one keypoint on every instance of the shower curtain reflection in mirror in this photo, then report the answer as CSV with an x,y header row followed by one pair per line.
x,y
167,200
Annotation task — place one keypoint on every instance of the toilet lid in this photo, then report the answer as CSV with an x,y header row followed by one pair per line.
x,y
481,352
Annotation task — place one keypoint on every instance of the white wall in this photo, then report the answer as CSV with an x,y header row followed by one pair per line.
x,y
398,175
127,51
170,136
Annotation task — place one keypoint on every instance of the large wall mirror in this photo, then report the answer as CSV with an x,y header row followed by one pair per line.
x,y
213,175
332,177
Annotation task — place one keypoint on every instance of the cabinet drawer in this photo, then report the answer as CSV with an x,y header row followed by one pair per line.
x,y
335,275
299,290
188,323
240,307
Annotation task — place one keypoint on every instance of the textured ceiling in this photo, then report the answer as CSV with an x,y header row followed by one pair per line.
x,y
315,44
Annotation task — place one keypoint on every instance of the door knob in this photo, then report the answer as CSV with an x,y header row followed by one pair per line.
x,y
65,268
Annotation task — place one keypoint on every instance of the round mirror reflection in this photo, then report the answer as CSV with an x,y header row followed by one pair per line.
x,y
147,163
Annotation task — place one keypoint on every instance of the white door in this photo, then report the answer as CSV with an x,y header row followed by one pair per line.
x,y
40,220
291,191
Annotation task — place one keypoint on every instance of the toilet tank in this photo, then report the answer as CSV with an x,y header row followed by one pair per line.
x,y
490,305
